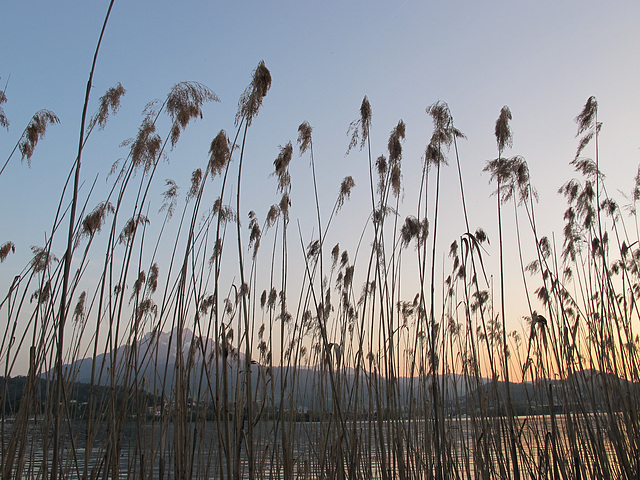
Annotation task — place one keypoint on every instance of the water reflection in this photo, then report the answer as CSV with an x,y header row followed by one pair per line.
x,y
472,448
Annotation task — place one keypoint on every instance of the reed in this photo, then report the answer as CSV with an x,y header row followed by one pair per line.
x,y
223,360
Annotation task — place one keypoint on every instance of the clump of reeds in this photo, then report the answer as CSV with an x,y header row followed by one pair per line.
x,y
206,360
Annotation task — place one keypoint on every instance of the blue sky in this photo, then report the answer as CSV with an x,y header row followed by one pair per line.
x,y
543,59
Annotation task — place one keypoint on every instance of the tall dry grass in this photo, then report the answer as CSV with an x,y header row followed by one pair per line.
x,y
344,374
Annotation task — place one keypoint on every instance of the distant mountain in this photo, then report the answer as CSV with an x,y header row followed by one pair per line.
x,y
151,362
583,391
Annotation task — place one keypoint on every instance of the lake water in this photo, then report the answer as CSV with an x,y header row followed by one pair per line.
x,y
149,449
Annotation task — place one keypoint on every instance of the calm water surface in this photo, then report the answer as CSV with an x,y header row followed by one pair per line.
x,y
148,449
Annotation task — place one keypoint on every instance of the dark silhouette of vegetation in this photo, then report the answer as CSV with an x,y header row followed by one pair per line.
x,y
229,354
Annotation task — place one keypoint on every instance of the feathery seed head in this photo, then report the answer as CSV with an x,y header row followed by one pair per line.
x,y
255,235
586,167
584,141
348,276
520,180
365,116
146,307
394,146
344,259
359,129
41,259
504,136
147,144
272,215
261,80
424,231
131,227
587,117
439,112
335,253
281,164
5,249
41,295
570,215
396,179
196,178
533,267
35,131
520,171
184,103
410,230
263,300
169,196
285,203
570,190
304,137
433,155
227,214
442,123
313,249
586,196
251,100
78,313
109,102
501,170
481,236
4,121
443,130
207,303
345,191
152,281
567,273
215,254
458,134
381,168
414,229
93,222
137,285
544,245
220,154
453,249
273,297
217,205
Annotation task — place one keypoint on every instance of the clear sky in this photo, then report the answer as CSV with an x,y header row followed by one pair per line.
x,y
543,59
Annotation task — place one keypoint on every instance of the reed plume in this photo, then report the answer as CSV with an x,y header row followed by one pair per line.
x,y
92,223
251,100
184,103
4,121
169,197
109,103
220,154
35,131
345,191
5,249
359,129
